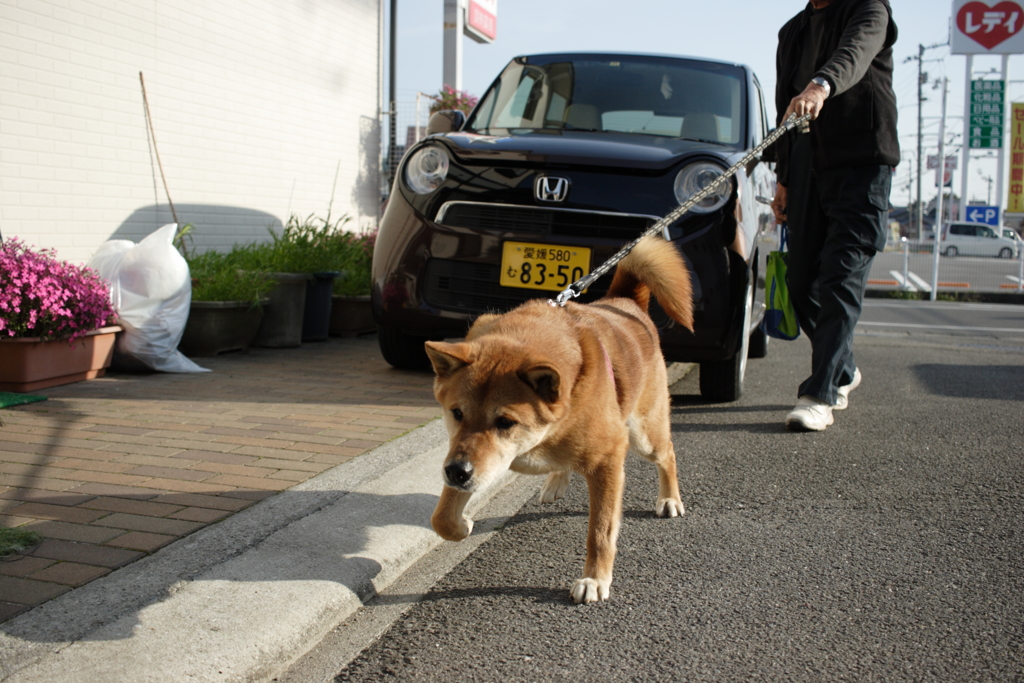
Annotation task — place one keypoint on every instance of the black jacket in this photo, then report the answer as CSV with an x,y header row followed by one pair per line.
x,y
857,124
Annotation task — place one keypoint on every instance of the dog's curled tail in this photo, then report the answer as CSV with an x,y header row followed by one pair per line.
x,y
656,267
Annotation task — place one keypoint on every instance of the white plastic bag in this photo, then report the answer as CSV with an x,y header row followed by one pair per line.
x,y
151,290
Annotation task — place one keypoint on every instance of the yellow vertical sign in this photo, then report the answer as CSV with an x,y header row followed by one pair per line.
x,y
1015,198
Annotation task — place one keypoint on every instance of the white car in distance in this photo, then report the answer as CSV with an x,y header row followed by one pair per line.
x,y
977,239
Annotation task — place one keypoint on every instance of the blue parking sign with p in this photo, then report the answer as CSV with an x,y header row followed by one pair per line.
x,y
989,215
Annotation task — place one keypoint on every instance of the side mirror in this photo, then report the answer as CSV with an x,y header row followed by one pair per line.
x,y
445,121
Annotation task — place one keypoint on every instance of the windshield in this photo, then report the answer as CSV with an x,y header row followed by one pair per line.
x,y
661,96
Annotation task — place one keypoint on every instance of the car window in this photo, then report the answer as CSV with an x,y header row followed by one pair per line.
x,y
985,232
645,95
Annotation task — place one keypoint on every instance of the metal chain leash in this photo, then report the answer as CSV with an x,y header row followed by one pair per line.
x,y
576,288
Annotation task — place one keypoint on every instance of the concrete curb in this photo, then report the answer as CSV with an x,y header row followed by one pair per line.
x,y
234,600
238,600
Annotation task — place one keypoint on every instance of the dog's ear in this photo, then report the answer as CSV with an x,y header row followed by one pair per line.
x,y
447,358
544,380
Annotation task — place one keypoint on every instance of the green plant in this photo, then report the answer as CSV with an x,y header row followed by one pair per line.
x,y
355,257
184,232
218,277
310,245
314,245
900,294
15,540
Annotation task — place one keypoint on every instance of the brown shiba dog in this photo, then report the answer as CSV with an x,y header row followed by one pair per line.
x,y
550,390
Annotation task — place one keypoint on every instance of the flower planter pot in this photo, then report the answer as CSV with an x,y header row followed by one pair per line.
x,y
351,315
218,326
282,316
316,318
29,364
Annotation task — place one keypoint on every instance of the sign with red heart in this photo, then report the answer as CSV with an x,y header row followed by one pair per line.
x,y
981,28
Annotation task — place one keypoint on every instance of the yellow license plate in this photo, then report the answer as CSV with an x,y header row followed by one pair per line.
x,y
542,266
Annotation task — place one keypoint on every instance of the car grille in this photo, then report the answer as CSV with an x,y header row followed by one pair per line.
x,y
559,222
473,288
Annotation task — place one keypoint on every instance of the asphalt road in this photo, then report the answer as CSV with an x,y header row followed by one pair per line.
x,y
963,273
947,318
887,548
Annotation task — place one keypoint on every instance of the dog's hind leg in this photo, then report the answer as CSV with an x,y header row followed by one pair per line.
x,y
448,519
650,436
555,486
605,485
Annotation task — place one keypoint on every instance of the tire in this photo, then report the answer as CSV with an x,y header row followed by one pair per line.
x,y
758,344
1006,252
402,351
722,380
950,251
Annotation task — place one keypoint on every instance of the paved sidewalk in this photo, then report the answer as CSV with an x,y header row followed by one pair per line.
x,y
113,469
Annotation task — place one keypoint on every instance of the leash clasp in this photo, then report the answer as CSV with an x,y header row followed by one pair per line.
x,y
563,297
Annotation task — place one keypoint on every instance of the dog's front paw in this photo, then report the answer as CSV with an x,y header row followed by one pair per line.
x,y
555,486
453,530
589,590
669,507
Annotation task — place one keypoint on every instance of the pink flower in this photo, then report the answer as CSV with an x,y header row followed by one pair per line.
x,y
41,296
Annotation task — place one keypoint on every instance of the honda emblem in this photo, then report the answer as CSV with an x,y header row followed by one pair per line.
x,y
549,189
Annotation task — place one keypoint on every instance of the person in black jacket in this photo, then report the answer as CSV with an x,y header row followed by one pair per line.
x,y
834,62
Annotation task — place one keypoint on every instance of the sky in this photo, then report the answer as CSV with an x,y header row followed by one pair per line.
x,y
744,31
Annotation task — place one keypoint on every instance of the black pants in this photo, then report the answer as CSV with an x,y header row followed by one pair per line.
x,y
836,226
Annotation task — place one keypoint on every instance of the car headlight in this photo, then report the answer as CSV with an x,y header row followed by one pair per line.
x,y
694,178
426,169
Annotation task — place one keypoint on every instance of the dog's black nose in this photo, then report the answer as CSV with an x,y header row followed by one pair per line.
x,y
458,472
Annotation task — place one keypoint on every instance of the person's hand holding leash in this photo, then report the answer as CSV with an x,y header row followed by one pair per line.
x,y
810,101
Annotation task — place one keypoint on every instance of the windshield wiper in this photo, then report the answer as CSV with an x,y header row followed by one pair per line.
x,y
569,126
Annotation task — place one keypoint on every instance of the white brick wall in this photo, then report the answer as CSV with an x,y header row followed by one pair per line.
x,y
257,104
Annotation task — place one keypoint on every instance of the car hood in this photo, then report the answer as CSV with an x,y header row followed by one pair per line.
x,y
620,150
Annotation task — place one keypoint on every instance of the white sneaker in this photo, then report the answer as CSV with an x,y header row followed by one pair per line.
x,y
810,415
843,397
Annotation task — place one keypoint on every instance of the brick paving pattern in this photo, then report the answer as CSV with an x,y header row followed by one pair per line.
x,y
111,469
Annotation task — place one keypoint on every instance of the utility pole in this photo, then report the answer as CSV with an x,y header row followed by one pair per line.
x,y
392,97
922,78
939,212
920,146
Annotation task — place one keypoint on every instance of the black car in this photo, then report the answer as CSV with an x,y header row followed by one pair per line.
x,y
566,158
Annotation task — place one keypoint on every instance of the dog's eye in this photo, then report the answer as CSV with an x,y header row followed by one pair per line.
x,y
457,414
504,423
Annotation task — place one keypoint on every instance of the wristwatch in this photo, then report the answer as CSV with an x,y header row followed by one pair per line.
x,y
818,80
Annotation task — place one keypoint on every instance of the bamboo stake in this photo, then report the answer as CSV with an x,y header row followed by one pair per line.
x,y
152,134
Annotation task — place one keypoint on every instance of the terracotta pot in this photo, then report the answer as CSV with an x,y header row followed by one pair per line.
x,y
218,326
351,315
29,364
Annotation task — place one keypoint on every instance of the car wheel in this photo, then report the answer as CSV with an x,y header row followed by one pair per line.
x,y
950,251
403,351
722,380
1006,252
758,344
